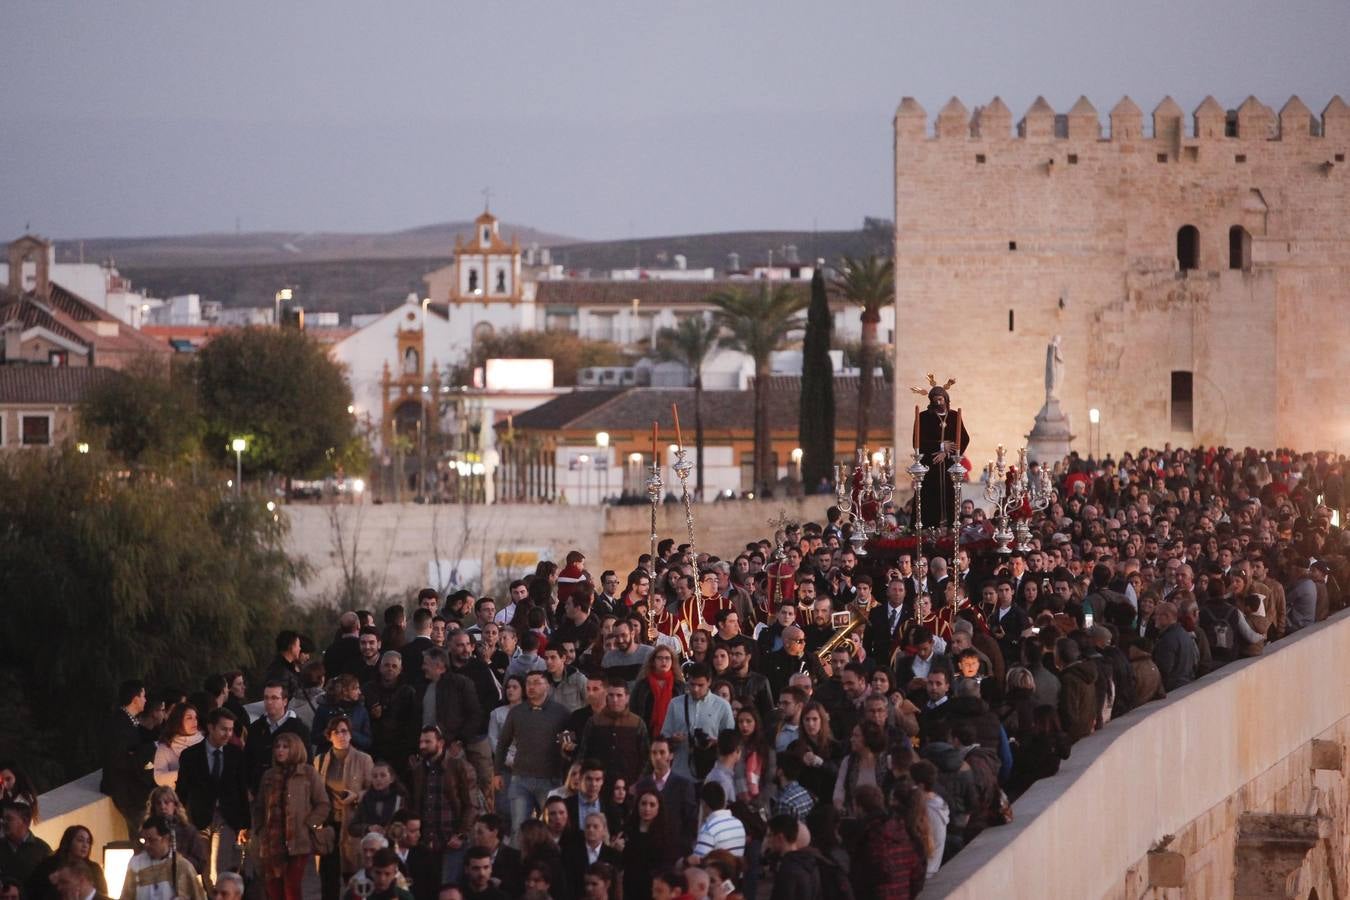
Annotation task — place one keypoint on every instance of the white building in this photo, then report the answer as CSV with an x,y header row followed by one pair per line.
x,y
98,283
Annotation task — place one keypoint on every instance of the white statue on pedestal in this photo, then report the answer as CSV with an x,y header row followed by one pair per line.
x,y
1054,370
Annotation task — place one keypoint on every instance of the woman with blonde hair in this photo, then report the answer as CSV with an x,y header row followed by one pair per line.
x,y
346,773
290,807
188,841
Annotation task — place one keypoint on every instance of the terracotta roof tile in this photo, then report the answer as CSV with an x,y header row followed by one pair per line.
x,y
58,385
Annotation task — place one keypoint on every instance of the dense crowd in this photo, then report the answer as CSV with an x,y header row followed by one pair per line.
x,y
791,718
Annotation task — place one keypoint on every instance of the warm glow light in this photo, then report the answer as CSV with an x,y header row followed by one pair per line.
x,y
635,457
358,485
350,409
82,447
271,506
672,448
878,457
1094,415
238,445
602,439
117,859
584,458
284,294
797,454
479,468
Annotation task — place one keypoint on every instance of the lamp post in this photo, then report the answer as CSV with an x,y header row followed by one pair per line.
x,y
602,460
584,462
797,462
238,445
1094,422
285,294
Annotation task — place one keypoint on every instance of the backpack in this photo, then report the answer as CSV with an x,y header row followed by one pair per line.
x,y
990,800
834,881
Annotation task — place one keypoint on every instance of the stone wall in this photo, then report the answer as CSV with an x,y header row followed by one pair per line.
x,y
1070,233
396,545
1237,781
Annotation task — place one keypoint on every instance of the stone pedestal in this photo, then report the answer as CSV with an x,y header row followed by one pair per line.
x,y
1050,437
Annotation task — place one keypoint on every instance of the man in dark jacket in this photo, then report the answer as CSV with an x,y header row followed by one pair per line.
x,y
450,700
343,656
213,786
781,665
276,718
798,875
1174,652
395,717
128,757
285,666
678,798
616,736
1122,675
1078,706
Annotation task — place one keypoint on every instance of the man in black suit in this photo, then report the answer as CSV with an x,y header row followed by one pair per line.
x,y
1008,621
883,623
507,866
678,798
343,656
213,787
128,757
580,855
590,799
413,651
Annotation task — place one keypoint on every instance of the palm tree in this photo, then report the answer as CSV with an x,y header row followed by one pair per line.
x,y
690,342
870,283
757,324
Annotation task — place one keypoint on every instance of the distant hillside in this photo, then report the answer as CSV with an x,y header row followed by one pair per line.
x,y
368,273
711,250
255,248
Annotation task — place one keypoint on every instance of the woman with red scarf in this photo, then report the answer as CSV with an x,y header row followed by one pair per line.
x,y
659,682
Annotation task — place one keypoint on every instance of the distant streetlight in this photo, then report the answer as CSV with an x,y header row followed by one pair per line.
x,y
797,461
584,460
350,409
238,445
602,439
285,294
1094,431
1094,415
82,447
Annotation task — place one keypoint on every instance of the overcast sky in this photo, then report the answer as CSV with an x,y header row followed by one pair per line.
x,y
591,118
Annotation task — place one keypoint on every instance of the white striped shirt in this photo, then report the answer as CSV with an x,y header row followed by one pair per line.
x,y
720,831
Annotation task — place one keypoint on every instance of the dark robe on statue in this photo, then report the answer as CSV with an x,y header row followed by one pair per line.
x,y
939,499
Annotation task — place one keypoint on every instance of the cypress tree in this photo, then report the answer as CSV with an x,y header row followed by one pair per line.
x,y
816,423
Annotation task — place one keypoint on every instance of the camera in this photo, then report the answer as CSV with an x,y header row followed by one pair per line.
x,y
700,736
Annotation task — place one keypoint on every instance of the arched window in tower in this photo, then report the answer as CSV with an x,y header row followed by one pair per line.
x,y
501,281
1239,248
1188,248
473,281
411,361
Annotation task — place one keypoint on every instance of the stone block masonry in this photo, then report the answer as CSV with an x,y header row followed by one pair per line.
x,y
1199,272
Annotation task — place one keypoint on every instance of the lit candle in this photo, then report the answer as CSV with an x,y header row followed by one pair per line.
x,y
957,439
679,437
916,426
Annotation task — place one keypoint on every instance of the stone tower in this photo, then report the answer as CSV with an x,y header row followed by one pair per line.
x,y
1199,272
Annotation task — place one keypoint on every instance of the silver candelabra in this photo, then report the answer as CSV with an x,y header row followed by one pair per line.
x,y
1007,488
682,469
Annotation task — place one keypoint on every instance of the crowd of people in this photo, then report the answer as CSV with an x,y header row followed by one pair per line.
x,y
790,718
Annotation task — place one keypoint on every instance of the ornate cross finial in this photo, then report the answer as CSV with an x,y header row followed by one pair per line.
x,y
487,199
781,521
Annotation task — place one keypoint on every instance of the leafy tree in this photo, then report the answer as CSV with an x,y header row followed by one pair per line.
x,y
870,283
146,414
690,343
758,324
279,388
816,420
569,352
106,579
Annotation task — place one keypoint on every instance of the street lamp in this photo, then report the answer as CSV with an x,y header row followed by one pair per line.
x,y
1094,420
82,447
285,294
238,445
584,460
602,441
797,461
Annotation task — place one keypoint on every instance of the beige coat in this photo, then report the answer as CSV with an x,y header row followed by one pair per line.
x,y
355,778
306,806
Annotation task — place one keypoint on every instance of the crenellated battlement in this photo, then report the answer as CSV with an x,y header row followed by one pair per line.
x,y
1251,121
